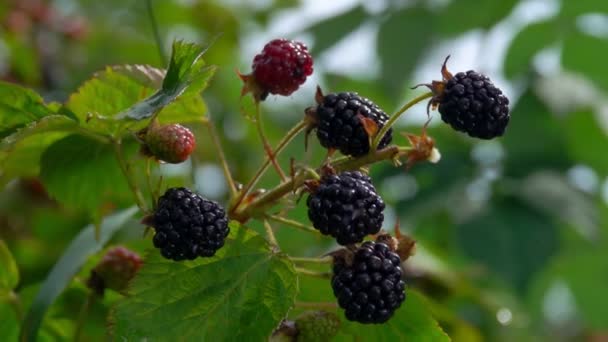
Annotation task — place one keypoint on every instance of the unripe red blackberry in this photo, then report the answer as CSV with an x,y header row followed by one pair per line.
x,y
346,206
369,287
281,67
339,117
117,267
170,143
187,225
471,103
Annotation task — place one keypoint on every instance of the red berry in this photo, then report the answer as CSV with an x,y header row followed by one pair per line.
x,y
118,266
280,68
171,143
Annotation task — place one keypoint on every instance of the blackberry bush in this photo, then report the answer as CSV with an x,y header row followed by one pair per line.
x,y
369,288
188,226
346,206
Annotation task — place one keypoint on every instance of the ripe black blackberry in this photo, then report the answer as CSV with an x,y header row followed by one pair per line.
x,y
346,206
187,225
471,103
369,288
338,120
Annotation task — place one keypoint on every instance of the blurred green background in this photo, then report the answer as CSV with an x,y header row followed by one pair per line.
x,y
511,232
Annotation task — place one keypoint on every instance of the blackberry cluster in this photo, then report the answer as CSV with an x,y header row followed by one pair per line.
x,y
471,103
282,67
370,289
188,225
340,127
346,206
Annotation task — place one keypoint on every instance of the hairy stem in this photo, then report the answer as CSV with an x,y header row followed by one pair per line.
x,y
220,152
270,234
305,271
323,260
82,316
159,42
294,224
267,148
396,116
139,198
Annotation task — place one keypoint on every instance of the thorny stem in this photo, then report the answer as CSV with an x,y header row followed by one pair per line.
x,y
304,271
291,134
82,316
270,234
159,42
396,116
316,305
139,198
220,152
267,148
294,224
323,260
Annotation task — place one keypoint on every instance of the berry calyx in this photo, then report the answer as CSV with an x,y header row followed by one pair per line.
x,y
187,225
117,267
470,103
347,122
281,68
169,143
346,206
368,285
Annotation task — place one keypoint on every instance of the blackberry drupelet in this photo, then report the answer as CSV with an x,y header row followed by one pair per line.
x,y
346,206
471,103
370,288
188,226
281,67
339,125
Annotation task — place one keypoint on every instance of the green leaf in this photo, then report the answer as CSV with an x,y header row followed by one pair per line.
x,y
18,107
9,324
526,44
9,273
401,43
413,321
330,31
585,138
80,249
187,74
478,13
511,240
20,152
240,294
577,49
82,172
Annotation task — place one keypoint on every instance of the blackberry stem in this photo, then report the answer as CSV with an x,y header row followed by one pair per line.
x,y
291,134
270,234
323,260
220,152
157,39
396,116
294,224
139,198
316,305
82,316
305,271
267,148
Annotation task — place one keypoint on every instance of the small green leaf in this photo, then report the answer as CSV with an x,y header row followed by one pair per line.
x,y
187,74
577,49
18,107
240,294
82,173
9,273
413,321
400,45
20,152
526,44
80,249
330,31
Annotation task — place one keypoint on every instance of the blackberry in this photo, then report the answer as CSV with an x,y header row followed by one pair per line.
x,y
117,267
188,226
170,143
370,288
346,206
471,103
280,68
339,124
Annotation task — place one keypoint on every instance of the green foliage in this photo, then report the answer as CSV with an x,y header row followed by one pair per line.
x,y
526,44
9,274
242,292
19,107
